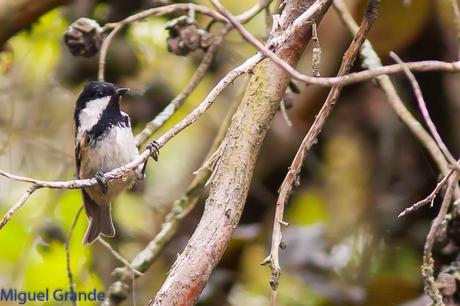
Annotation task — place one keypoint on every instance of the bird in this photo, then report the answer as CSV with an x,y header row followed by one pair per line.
x,y
104,141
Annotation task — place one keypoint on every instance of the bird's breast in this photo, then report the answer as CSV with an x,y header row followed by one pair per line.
x,y
111,150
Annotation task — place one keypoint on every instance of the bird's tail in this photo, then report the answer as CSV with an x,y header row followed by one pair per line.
x,y
99,218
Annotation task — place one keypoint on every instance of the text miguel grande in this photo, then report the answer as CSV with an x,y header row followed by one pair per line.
x,y
46,295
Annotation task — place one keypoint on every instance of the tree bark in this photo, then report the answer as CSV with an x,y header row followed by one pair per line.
x,y
233,172
16,15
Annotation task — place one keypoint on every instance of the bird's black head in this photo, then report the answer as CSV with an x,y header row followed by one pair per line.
x,y
95,91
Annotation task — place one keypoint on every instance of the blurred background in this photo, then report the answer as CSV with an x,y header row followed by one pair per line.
x,y
345,244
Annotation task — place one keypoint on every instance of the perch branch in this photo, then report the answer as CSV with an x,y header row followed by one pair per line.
x,y
18,205
247,66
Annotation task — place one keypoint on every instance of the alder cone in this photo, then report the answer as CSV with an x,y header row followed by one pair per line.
x,y
185,36
83,37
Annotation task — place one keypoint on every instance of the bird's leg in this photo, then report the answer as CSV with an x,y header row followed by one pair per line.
x,y
102,181
154,148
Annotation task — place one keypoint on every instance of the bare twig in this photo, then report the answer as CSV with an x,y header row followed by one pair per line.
x,y
18,205
371,60
429,199
249,14
423,108
67,254
118,256
428,262
294,170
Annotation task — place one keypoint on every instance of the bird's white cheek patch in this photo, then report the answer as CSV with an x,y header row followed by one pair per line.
x,y
91,114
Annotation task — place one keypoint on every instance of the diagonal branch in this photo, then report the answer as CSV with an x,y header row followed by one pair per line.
x,y
234,169
292,176
424,109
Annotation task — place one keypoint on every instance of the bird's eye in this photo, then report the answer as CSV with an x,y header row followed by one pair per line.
x,y
99,94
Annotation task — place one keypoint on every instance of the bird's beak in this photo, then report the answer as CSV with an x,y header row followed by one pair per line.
x,y
122,91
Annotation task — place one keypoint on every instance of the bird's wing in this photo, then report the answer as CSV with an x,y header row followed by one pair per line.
x,y
81,149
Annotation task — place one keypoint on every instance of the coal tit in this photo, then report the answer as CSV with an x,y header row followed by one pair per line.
x,y
103,141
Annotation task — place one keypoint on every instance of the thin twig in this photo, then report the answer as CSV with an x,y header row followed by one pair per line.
x,y
423,108
67,254
18,205
428,262
429,199
292,176
118,256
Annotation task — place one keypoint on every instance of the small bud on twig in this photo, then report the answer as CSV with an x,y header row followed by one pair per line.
x,y
185,36
83,37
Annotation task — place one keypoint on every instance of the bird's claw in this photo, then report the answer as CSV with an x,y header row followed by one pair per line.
x,y
102,181
154,148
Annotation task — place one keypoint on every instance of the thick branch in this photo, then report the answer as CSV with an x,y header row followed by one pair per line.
x,y
233,172
16,15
